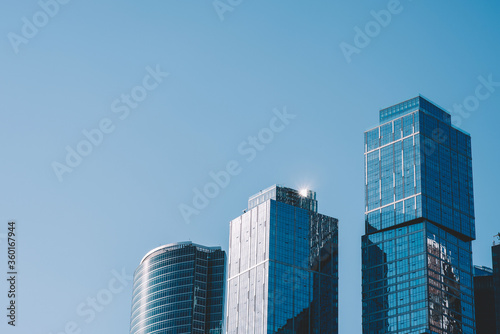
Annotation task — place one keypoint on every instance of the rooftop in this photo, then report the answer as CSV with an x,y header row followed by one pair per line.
x,y
303,198
411,105
177,245
482,271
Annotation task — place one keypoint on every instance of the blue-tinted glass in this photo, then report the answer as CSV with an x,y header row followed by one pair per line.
x,y
292,286
179,288
431,181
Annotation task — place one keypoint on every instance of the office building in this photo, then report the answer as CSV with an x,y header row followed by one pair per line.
x,y
419,223
283,266
484,300
179,288
495,252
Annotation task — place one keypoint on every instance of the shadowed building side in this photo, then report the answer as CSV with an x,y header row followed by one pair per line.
x,y
495,251
484,300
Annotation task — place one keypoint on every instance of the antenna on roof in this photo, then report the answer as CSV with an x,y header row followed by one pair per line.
x,y
498,237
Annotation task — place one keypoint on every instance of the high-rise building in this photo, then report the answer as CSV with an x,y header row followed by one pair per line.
x,y
495,251
283,266
419,223
484,300
179,288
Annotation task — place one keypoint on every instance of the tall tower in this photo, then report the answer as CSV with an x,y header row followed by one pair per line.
x,y
179,288
419,223
484,301
283,266
495,252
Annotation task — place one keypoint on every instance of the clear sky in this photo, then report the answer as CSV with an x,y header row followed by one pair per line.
x,y
88,66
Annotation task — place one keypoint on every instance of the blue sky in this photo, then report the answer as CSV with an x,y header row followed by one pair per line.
x,y
225,78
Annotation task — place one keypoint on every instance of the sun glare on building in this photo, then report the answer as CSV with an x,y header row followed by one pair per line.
x,y
304,192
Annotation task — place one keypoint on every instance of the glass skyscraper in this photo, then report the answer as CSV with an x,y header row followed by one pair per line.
x,y
179,288
419,223
283,266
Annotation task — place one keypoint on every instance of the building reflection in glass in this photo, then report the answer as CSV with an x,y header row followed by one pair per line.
x,y
419,223
444,289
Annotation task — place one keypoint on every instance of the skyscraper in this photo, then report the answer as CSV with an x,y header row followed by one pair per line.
x,y
179,288
495,251
419,223
283,266
484,300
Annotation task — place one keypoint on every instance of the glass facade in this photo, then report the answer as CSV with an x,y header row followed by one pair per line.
x,y
283,266
419,223
179,288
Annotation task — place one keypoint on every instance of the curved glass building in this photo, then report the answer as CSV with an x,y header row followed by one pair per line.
x,y
179,288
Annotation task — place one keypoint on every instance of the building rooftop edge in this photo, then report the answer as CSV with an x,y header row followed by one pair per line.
x,y
264,190
484,268
425,98
421,96
185,243
395,104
